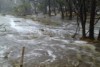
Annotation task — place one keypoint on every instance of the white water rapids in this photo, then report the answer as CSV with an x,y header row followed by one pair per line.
x,y
44,44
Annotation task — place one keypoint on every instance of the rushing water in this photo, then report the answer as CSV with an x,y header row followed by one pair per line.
x,y
49,45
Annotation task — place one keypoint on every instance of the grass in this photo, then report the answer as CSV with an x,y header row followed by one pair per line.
x,y
44,20
48,21
91,41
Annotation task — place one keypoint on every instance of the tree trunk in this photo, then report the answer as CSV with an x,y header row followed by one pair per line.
x,y
92,19
70,10
62,11
82,16
99,35
55,11
49,3
45,7
55,8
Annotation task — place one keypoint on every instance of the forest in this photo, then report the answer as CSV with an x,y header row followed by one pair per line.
x,y
49,33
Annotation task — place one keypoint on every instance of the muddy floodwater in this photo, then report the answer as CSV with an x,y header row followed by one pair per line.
x,y
45,45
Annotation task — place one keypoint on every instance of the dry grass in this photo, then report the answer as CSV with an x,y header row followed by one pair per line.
x,y
44,20
47,21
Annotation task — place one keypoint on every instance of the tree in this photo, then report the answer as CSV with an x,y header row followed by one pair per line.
x,y
49,6
61,7
92,19
99,35
70,9
81,12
